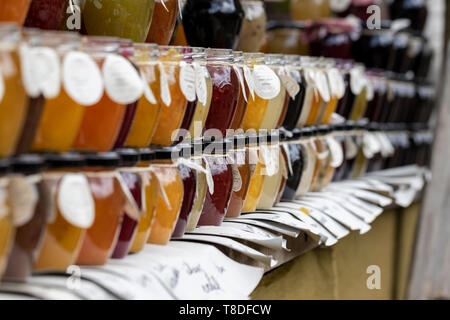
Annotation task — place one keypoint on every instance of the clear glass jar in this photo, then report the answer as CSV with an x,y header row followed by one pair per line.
x,y
253,29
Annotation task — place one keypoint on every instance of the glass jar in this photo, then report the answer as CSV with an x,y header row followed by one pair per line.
x,y
163,22
66,226
244,93
309,9
323,159
130,177
309,156
14,101
216,204
7,229
173,100
151,190
342,135
285,37
253,29
213,24
129,19
242,174
296,158
170,198
149,107
226,90
257,106
14,11
373,47
102,121
47,14
188,175
109,200
56,126
30,218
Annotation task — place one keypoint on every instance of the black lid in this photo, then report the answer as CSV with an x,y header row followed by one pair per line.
x,y
168,153
339,126
147,154
323,129
128,157
350,125
218,146
28,164
5,166
103,159
308,131
360,125
65,160
373,126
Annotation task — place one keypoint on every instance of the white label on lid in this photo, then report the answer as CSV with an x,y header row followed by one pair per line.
x,y
289,83
357,81
164,83
337,84
237,179
200,83
29,72
267,83
238,72
250,81
187,81
148,93
337,154
23,196
322,85
82,79
339,5
75,200
122,81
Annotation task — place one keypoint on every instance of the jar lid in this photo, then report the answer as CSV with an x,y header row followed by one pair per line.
x,y
339,126
65,160
167,153
323,129
308,131
28,164
103,159
373,127
129,157
147,154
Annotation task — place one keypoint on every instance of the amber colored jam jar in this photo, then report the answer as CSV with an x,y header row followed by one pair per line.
x,y
163,22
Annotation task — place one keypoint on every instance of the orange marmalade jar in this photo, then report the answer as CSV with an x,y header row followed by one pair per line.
x,y
174,102
170,197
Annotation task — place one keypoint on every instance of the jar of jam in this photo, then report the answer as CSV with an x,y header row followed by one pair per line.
x,y
295,153
213,23
253,29
7,229
258,167
285,37
14,11
216,203
30,205
312,96
72,215
47,14
171,195
309,9
424,61
309,155
173,100
275,176
163,22
188,175
150,186
225,93
373,47
244,92
50,129
109,201
129,19
13,101
201,185
132,213
242,174
257,106
102,121
277,107
414,10
149,107
337,91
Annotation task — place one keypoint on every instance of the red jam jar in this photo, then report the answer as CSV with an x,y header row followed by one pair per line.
x,y
47,14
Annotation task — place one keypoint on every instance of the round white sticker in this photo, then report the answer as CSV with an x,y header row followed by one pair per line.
x,y
82,78
289,83
122,81
187,81
267,84
48,69
75,200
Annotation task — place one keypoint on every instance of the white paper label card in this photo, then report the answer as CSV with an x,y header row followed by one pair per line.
x,y
267,84
273,226
30,72
289,83
336,152
82,78
48,70
187,81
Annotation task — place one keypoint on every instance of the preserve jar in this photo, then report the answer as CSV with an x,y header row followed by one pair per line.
x,y
376,105
399,51
149,107
13,101
213,24
72,215
373,47
336,85
216,203
342,133
225,93
285,37
47,14
253,29
296,158
309,158
109,202
309,9
7,229
170,197
30,206
14,11
321,99
132,213
61,116
174,102
151,186
163,22
242,174
244,93
129,19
